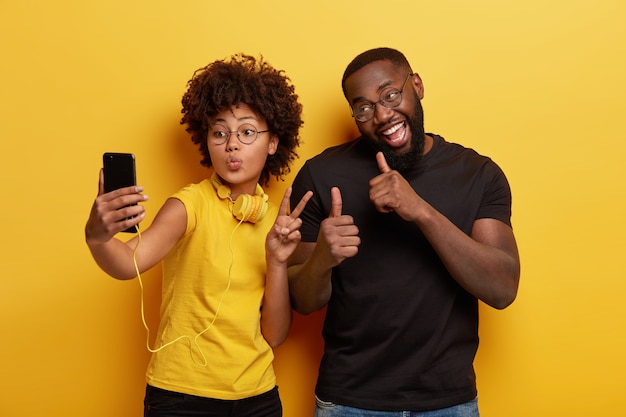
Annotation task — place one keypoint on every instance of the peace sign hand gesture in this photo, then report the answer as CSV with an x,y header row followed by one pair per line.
x,y
284,235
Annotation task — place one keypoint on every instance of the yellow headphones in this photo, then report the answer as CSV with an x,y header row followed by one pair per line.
x,y
248,208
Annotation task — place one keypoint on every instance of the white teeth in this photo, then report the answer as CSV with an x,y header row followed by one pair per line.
x,y
392,129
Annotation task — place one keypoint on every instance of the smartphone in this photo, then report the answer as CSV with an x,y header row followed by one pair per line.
x,y
119,172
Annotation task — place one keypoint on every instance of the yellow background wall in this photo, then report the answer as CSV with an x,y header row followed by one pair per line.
x,y
537,85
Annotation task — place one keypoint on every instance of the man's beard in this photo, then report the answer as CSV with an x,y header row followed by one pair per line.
x,y
405,161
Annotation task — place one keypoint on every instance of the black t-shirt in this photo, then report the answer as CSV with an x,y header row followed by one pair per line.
x,y
400,333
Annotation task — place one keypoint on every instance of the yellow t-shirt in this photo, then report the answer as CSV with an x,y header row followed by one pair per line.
x,y
219,264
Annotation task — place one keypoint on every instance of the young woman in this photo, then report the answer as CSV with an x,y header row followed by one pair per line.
x,y
224,247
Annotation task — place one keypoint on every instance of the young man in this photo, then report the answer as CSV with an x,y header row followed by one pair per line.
x,y
404,234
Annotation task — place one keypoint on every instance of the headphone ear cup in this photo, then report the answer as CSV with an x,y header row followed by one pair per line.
x,y
241,207
256,212
250,208
263,206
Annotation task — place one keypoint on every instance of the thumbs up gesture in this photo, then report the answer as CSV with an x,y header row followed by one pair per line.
x,y
338,237
389,192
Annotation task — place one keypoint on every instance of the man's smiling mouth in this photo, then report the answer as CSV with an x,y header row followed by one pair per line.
x,y
392,135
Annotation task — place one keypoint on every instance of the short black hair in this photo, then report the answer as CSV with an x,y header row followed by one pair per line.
x,y
245,79
396,57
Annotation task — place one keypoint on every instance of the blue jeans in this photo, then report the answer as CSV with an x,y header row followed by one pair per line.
x,y
164,403
327,409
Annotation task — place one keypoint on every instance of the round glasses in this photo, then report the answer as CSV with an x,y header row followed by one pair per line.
x,y
219,134
390,97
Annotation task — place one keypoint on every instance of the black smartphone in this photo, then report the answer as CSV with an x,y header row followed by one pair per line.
x,y
119,172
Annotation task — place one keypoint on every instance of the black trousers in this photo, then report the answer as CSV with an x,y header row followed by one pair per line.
x,y
164,403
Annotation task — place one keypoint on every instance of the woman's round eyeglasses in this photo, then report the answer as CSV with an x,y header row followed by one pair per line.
x,y
246,133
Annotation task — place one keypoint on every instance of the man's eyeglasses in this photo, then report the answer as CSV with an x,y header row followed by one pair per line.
x,y
390,97
247,134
